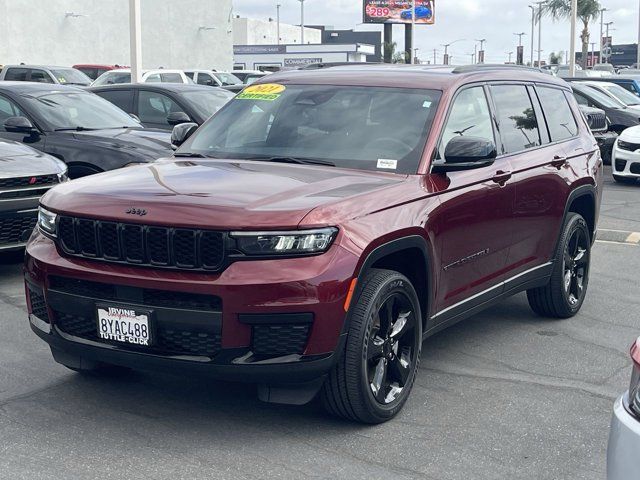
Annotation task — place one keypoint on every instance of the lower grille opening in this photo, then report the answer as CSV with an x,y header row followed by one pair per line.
x,y
16,229
635,168
279,340
38,304
168,341
621,165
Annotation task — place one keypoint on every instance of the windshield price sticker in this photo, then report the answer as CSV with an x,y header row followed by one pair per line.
x,y
265,91
387,163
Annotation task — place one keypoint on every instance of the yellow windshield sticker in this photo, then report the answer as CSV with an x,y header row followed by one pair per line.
x,y
265,91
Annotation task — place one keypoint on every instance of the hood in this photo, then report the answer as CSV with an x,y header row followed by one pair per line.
x,y
19,160
149,143
225,194
623,116
631,135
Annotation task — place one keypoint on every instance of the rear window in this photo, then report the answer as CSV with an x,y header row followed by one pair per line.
x,y
71,76
516,117
16,74
560,120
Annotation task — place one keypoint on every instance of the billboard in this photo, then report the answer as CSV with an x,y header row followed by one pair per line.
x,y
399,11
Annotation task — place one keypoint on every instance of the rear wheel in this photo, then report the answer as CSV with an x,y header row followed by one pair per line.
x,y
563,296
374,376
625,180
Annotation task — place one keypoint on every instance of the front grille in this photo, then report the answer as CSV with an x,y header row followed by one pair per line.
x,y
25,193
629,146
597,121
16,229
145,296
38,304
29,181
635,168
620,165
167,341
278,340
154,246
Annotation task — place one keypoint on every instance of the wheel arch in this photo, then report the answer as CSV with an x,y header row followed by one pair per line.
x,y
582,200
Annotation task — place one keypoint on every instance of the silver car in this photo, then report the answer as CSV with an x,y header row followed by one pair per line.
x,y
623,453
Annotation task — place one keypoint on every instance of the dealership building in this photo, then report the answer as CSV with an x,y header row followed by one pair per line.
x,y
175,34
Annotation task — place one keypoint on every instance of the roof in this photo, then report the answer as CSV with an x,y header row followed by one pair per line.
x,y
35,87
167,87
410,76
42,67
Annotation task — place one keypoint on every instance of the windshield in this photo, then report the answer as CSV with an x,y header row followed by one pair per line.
x,y
70,75
78,111
621,94
227,78
602,98
369,128
208,102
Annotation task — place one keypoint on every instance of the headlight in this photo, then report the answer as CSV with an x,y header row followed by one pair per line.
x,y
47,221
63,176
285,243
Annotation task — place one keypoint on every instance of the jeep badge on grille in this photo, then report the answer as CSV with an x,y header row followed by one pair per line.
x,y
136,211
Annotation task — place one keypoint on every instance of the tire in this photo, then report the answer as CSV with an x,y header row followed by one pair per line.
x,y
373,354
624,180
571,263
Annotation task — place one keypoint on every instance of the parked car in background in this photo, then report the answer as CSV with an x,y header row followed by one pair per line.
x,y
25,175
616,92
83,130
626,156
599,125
248,76
44,74
623,461
213,78
313,232
123,75
94,71
563,71
606,68
629,83
164,105
421,12
620,117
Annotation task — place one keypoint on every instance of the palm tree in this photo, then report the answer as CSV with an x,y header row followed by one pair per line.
x,y
588,11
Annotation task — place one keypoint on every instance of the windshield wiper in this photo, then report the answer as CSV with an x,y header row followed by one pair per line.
x,y
190,154
74,129
297,160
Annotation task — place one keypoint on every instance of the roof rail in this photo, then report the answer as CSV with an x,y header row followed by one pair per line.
x,y
491,66
316,66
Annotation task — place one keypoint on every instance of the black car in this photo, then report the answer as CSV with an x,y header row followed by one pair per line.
x,y
85,131
166,105
599,125
25,175
620,117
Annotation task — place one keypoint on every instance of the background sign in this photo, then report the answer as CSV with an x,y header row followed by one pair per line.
x,y
301,62
398,11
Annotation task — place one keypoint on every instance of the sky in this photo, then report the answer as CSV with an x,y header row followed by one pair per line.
x,y
494,20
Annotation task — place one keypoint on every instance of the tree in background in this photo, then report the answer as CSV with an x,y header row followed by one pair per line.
x,y
555,58
588,11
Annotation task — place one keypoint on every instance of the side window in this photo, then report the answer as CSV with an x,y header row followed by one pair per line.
x,y
205,79
40,76
153,78
560,120
581,100
469,116
16,74
8,109
516,118
190,74
154,107
120,98
171,78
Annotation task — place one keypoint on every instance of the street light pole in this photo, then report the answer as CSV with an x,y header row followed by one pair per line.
x,y
533,29
602,10
572,53
638,54
509,53
135,41
607,25
278,22
481,40
301,22
593,53
540,33
413,27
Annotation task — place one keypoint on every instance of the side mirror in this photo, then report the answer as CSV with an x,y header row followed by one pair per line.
x,y
135,117
467,153
181,133
19,125
176,118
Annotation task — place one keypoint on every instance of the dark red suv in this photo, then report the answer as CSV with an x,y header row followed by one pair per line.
x,y
312,233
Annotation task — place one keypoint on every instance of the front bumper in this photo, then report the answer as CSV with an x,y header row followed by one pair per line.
x,y
606,142
623,461
625,163
259,300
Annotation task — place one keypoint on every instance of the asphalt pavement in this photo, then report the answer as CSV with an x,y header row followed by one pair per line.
x,y
503,395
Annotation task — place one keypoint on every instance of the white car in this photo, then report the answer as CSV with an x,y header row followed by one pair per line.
x,y
623,461
123,75
625,158
212,78
616,92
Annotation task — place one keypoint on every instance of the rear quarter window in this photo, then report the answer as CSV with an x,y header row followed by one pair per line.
x,y
516,117
560,120
16,74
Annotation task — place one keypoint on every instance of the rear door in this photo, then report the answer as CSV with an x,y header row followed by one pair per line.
x,y
537,144
122,99
39,76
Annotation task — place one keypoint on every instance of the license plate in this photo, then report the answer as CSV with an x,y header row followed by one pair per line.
x,y
124,324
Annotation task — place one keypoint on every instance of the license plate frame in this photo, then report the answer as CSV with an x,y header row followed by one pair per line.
x,y
115,334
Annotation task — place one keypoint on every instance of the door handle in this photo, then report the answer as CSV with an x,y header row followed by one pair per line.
x,y
501,177
559,161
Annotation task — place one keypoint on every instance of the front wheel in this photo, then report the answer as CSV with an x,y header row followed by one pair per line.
x,y
375,373
563,296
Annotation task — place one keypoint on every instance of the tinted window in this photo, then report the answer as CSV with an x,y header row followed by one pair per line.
x,y
190,74
171,77
469,116
16,74
8,109
153,78
112,78
92,73
516,118
205,79
560,120
154,107
120,98
40,76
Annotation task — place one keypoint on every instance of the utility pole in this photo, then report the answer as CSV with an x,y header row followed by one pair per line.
x,y
572,43
475,53
593,53
413,27
607,25
540,4
278,22
533,29
602,10
135,40
301,22
638,54
435,56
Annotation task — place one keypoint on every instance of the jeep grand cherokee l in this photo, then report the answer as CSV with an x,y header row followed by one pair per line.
x,y
316,229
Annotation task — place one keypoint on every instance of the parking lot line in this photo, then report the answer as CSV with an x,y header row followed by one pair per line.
x,y
618,236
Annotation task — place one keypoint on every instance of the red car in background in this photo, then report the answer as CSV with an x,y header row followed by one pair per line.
x,y
94,71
